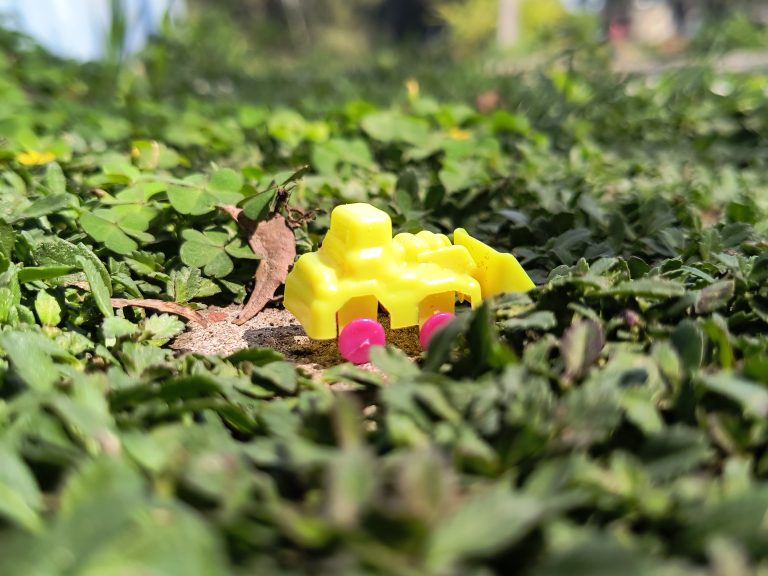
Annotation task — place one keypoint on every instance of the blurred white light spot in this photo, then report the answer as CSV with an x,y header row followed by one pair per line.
x,y
722,87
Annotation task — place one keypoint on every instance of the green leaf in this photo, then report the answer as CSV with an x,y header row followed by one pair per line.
x,y
642,412
102,228
98,484
759,272
295,175
36,273
483,524
119,170
591,412
392,126
327,156
716,329
191,199
714,297
171,540
194,196
7,304
581,346
20,497
100,291
16,182
48,309
89,255
538,320
138,194
281,375
257,207
185,284
256,356
133,219
10,279
55,179
127,285
55,251
153,155
740,518
752,397
47,205
599,555
394,362
138,357
688,340
443,342
163,327
237,249
114,327
651,288
288,126
350,486
408,184
7,240
31,355
207,251
483,344
225,181
460,174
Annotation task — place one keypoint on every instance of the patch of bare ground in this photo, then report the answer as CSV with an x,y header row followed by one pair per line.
x,y
276,328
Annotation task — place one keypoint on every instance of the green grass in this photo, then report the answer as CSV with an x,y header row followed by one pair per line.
x,y
611,421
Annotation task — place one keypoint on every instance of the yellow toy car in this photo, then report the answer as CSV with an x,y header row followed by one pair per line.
x,y
416,278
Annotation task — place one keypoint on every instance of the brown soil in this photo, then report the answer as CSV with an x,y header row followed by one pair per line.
x,y
276,328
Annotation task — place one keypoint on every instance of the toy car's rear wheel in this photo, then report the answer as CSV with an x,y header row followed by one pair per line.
x,y
432,324
357,337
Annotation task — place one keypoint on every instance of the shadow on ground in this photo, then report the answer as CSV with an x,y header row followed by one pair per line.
x,y
277,328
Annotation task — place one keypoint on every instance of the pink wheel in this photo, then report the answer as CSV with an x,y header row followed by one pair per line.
x,y
432,324
357,337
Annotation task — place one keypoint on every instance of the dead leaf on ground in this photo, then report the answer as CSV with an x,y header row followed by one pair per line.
x,y
162,306
273,240
487,101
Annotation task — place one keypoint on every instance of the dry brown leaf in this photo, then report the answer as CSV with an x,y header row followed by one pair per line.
x,y
487,101
273,240
162,306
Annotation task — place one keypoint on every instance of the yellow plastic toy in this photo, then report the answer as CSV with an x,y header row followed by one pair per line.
x,y
416,278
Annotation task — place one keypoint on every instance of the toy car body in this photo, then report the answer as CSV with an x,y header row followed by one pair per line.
x,y
412,276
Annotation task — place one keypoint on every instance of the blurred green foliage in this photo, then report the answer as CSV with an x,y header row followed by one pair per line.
x,y
349,30
733,32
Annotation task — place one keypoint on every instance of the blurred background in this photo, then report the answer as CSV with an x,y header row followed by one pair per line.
x,y
323,57
253,37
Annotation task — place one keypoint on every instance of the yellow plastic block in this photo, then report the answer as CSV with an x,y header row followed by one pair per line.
x,y
496,272
360,266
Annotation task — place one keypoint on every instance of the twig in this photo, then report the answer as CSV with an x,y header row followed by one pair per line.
x,y
162,306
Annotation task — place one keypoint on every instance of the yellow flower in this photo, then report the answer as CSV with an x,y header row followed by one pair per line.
x,y
35,158
459,134
412,86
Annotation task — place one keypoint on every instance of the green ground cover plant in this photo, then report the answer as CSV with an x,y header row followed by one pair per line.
x,y
611,421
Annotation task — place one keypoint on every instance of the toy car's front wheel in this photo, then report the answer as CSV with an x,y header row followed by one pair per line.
x,y
431,325
357,337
